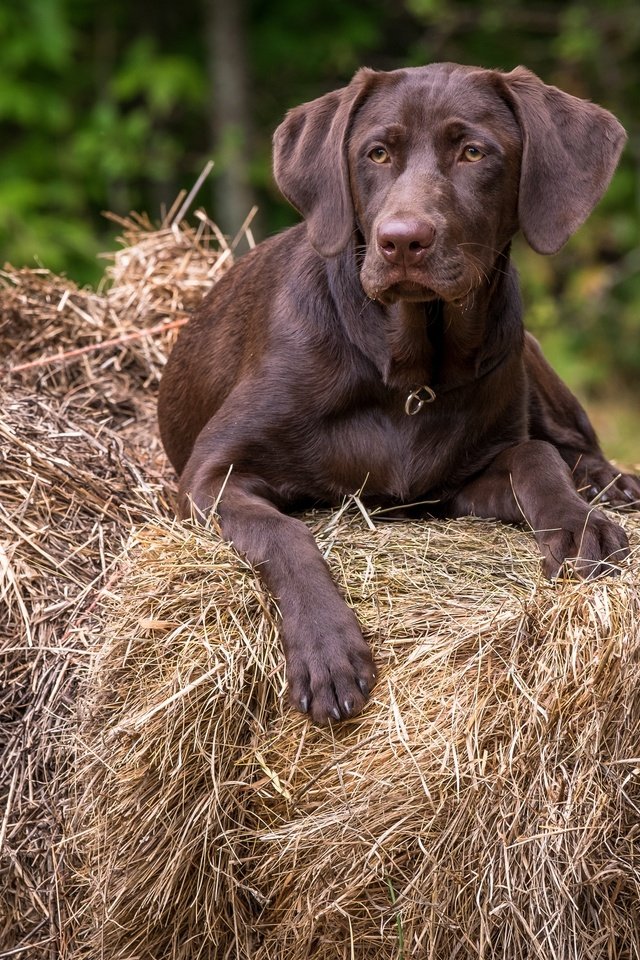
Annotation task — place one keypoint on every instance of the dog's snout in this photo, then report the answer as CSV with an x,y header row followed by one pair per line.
x,y
405,241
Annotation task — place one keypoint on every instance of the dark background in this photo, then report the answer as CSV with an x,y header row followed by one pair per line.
x,y
118,105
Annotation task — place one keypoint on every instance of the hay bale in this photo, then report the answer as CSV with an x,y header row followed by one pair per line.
x,y
57,335
80,464
485,804
69,496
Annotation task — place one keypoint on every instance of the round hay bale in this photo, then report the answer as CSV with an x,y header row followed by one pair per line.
x,y
68,498
80,463
165,803
55,334
484,805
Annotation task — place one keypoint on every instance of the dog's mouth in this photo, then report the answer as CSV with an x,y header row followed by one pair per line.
x,y
412,291
406,290
414,286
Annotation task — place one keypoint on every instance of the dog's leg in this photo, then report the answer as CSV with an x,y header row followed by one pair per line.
x,y
556,415
330,669
530,483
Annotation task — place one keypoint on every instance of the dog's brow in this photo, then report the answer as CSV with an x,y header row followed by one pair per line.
x,y
456,126
387,133
458,129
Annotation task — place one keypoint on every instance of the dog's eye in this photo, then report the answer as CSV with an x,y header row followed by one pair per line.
x,y
472,154
379,155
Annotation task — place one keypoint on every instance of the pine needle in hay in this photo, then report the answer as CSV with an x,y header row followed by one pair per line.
x,y
485,804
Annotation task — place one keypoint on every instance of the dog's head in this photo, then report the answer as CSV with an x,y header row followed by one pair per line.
x,y
435,168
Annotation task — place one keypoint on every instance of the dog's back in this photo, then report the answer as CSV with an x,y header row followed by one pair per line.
x,y
223,342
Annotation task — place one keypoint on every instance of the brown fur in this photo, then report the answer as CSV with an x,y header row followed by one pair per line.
x,y
296,370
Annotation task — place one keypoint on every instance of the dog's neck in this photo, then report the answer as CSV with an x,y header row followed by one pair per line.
x,y
433,343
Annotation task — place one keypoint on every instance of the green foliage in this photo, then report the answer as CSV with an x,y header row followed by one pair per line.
x,y
89,122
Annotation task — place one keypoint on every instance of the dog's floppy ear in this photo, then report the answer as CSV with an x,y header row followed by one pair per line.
x,y
310,163
570,151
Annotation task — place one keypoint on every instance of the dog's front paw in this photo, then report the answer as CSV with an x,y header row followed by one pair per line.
x,y
330,669
589,546
600,482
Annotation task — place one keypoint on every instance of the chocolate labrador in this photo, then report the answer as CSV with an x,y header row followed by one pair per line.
x,y
379,345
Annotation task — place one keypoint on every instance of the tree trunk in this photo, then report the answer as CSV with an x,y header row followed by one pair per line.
x,y
230,114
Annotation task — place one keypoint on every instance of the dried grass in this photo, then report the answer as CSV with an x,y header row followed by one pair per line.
x,y
484,805
79,466
61,335
159,801
68,496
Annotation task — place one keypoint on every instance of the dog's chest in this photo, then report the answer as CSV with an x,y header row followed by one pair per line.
x,y
392,453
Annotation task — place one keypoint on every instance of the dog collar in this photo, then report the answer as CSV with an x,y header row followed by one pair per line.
x,y
417,399
424,394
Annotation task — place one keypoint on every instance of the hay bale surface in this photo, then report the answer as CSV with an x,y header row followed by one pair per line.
x,y
484,805
80,465
67,493
157,798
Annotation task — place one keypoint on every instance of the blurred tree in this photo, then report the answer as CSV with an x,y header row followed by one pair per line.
x,y
232,122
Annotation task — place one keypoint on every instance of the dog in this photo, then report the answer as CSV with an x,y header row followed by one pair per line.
x,y
379,344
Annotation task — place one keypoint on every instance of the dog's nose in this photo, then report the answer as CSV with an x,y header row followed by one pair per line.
x,y
405,241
